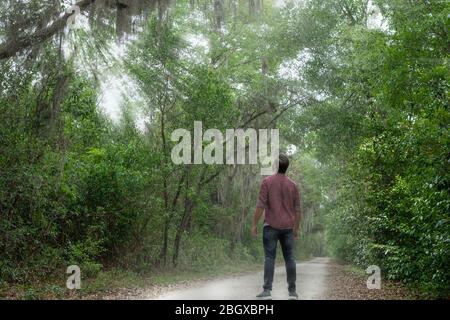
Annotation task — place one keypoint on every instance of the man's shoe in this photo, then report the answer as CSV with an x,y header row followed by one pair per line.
x,y
293,295
265,295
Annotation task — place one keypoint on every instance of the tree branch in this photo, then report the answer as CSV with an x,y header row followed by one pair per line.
x,y
13,46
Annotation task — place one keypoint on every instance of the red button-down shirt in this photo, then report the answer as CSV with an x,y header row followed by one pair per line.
x,y
280,198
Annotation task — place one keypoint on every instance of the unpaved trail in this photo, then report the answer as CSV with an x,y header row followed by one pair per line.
x,y
311,284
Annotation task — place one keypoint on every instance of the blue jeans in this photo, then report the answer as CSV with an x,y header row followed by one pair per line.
x,y
270,239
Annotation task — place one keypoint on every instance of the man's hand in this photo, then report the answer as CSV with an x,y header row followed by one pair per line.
x,y
254,231
258,214
296,234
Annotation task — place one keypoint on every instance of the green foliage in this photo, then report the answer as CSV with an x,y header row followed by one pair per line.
x,y
382,135
366,107
80,201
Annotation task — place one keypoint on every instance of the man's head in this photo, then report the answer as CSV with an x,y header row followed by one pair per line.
x,y
283,163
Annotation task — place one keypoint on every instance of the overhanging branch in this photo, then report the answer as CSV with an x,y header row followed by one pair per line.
x,y
13,46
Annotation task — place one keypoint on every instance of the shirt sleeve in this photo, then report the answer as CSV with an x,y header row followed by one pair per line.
x,y
263,196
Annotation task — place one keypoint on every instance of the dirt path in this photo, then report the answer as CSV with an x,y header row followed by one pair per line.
x,y
317,279
311,284
344,282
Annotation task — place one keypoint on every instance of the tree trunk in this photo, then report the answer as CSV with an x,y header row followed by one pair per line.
x,y
183,223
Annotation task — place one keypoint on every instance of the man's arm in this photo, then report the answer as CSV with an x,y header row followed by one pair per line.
x,y
298,219
298,212
258,214
260,206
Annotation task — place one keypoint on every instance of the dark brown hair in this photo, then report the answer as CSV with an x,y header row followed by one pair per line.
x,y
283,163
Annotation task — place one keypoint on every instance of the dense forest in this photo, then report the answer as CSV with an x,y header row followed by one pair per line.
x,y
357,88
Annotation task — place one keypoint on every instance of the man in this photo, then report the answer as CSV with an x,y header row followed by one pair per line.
x,y
279,198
